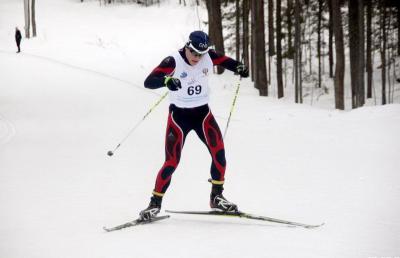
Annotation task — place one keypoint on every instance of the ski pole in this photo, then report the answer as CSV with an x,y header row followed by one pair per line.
x,y
233,105
110,153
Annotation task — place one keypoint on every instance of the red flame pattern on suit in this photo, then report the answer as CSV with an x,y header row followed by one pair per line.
x,y
180,123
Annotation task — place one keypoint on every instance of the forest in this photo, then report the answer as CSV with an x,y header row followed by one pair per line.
x,y
303,44
297,36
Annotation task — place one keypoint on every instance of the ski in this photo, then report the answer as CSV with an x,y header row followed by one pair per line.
x,y
240,214
135,223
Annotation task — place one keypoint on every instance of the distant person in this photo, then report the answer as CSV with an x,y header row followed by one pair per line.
x,y
18,38
185,73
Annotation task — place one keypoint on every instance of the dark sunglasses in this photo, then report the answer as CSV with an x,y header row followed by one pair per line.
x,y
193,52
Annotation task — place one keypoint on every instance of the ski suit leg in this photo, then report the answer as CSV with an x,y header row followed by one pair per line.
x,y
174,141
211,136
18,45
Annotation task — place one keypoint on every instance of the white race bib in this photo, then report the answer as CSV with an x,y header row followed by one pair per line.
x,y
194,81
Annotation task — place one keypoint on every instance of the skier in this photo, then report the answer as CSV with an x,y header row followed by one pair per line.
x,y
18,38
185,73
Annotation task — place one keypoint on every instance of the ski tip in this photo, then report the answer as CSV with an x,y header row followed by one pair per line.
x,y
314,226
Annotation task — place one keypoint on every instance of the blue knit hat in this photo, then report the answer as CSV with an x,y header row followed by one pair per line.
x,y
199,41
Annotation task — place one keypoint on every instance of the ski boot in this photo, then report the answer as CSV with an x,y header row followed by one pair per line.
x,y
152,210
219,203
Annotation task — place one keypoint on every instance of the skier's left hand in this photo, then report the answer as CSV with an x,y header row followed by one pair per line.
x,y
242,70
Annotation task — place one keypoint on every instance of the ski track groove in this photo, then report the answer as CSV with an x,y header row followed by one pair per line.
x,y
7,130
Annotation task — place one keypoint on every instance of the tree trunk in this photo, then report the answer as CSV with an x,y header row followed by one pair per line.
x,y
353,44
356,44
323,50
252,43
215,27
27,18
340,58
269,69
330,39
389,55
392,51
245,40
310,32
319,26
237,30
289,26
279,49
398,29
361,53
259,37
297,53
33,18
271,45
383,49
369,49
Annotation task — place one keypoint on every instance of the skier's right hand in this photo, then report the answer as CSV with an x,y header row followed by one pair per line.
x,y
172,83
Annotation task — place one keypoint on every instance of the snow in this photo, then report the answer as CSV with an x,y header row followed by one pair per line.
x,y
76,90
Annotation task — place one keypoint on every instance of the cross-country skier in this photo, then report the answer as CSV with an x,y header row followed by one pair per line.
x,y
18,38
185,73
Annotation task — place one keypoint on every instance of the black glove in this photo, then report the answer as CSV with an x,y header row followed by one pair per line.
x,y
172,83
242,70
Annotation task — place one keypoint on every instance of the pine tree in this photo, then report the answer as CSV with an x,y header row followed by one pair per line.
x,y
330,31
319,28
398,28
369,49
27,18
33,18
260,78
245,35
289,13
297,56
279,49
356,45
271,45
340,58
383,48
237,25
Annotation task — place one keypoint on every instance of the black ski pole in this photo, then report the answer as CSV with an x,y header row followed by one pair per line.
x,y
110,153
233,105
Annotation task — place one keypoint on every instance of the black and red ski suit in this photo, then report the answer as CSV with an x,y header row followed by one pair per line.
x,y
182,120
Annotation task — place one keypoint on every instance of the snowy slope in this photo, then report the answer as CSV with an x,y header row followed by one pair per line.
x,y
76,90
